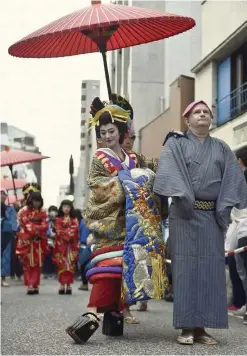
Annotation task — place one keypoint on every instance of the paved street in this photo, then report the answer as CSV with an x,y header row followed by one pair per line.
x,y
34,325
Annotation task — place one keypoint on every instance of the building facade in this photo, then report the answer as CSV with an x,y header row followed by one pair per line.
x,y
181,95
143,74
89,90
16,138
221,74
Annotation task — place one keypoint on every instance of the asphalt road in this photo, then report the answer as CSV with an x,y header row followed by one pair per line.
x,y
35,325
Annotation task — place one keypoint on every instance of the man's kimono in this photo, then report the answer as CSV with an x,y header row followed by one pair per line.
x,y
205,183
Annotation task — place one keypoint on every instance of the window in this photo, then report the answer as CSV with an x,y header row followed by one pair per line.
x,y
232,86
90,145
84,85
83,98
83,122
82,148
83,110
83,134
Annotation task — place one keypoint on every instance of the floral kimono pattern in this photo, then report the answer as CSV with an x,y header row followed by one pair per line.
x,y
107,218
32,243
66,248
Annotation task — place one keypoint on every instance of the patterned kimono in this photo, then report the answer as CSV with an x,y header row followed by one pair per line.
x,y
66,248
32,243
205,182
106,218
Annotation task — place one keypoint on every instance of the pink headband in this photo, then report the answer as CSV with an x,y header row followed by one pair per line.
x,y
191,107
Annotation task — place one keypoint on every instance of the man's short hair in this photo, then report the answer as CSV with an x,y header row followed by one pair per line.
x,y
242,154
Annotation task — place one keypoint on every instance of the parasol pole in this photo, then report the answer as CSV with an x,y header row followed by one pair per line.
x,y
102,48
13,179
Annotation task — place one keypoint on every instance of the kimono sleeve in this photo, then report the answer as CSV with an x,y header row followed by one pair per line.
x,y
24,221
74,230
43,227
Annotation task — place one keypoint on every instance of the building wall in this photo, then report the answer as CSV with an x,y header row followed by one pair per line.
x,y
234,133
19,139
219,20
182,52
217,79
89,90
181,94
205,84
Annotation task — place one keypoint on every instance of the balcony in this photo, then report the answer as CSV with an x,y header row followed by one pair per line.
x,y
232,105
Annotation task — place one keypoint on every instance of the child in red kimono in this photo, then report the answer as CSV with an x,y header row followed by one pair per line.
x,y
66,247
32,241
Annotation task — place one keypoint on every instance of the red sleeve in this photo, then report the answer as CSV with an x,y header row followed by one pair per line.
x,y
43,227
75,230
58,227
25,224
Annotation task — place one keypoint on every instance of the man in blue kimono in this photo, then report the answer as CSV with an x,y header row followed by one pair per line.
x,y
202,176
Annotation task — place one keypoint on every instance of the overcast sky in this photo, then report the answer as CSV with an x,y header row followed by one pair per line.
x,y
42,96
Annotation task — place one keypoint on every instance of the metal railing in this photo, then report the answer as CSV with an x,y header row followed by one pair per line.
x,y
232,105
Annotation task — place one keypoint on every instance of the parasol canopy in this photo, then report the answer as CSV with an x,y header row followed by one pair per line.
x,y
11,157
100,28
12,199
7,183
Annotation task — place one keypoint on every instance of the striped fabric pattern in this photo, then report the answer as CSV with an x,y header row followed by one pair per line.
x,y
190,170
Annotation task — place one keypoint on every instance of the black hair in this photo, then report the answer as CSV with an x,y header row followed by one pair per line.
x,y
52,208
245,175
78,215
242,154
72,210
34,196
3,210
105,119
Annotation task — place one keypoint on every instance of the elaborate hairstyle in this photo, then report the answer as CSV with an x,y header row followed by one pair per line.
x,y
119,112
34,196
29,188
72,210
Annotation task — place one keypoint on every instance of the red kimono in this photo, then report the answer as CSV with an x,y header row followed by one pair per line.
x,y
32,243
66,248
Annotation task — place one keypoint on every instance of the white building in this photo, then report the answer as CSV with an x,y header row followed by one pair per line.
x,y
143,74
221,74
16,138
63,194
89,90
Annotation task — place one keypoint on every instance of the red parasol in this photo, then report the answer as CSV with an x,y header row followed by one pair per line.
x,y
7,183
100,28
13,199
11,157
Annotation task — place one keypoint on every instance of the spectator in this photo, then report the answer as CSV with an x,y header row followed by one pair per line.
x,y
16,268
241,259
83,235
49,269
8,227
